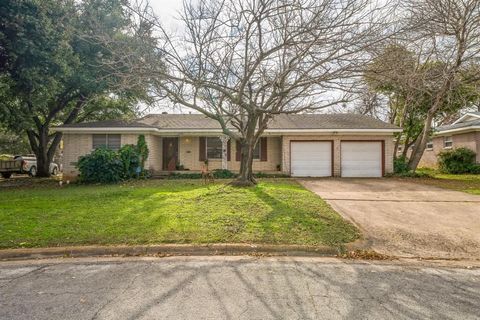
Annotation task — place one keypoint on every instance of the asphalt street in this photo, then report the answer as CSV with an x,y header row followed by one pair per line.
x,y
235,288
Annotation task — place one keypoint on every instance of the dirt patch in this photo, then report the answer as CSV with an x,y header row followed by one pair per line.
x,y
26,182
366,255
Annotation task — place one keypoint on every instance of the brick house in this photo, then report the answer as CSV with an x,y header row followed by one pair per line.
x,y
316,145
465,132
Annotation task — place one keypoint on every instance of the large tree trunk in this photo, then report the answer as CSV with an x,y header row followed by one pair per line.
x,y
245,177
421,143
43,162
44,150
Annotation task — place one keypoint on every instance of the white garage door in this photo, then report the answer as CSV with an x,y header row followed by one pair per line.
x,y
311,158
361,159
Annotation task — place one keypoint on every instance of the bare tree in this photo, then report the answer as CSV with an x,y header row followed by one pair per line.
x,y
372,103
446,34
242,62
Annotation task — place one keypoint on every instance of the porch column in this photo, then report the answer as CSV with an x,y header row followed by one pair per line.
x,y
224,140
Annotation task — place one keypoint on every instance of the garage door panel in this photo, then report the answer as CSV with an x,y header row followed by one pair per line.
x,y
361,159
311,158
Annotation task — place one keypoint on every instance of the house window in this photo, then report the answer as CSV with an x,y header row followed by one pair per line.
x,y
447,142
256,151
214,148
109,141
430,145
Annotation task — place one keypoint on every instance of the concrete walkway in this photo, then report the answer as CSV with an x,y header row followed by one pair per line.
x,y
234,288
405,218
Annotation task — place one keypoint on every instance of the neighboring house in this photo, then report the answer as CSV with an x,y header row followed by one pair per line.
x,y
316,145
465,132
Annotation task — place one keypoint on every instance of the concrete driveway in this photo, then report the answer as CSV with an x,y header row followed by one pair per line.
x,y
407,218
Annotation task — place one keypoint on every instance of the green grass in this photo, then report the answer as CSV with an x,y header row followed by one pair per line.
x,y
469,183
168,211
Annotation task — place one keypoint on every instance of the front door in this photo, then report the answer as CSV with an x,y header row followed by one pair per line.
x,y
170,154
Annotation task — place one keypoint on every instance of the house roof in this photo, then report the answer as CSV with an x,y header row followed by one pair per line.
x,y
468,121
188,122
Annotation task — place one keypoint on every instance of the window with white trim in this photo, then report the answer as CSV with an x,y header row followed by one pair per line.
x,y
429,145
256,151
214,147
109,141
447,142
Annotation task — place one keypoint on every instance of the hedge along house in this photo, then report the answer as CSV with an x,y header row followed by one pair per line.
x,y
464,132
304,145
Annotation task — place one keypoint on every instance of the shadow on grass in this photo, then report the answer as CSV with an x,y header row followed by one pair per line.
x,y
171,212
315,222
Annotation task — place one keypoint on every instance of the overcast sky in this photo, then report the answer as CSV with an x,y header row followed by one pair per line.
x,y
168,10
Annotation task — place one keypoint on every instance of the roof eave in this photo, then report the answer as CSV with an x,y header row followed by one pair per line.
x,y
212,131
343,130
104,129
457,130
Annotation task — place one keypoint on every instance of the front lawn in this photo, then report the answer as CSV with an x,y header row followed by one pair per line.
x,y
168,211
469,183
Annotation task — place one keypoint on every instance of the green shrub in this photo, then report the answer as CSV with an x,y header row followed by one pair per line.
x,y
400,165
270,175
180,176
223,174
457,161
100,166
475,169
411,174
108,166
217,174
131,162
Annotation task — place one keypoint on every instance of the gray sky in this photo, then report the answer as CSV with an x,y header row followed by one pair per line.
x,y
168,12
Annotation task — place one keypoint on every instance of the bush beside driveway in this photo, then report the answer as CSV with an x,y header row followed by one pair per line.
x,y
168,211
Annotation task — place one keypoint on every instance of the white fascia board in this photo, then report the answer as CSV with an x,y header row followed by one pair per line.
x,y
458,130
332,131
108,129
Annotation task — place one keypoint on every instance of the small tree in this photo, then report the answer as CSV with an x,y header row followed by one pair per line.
x,y
142,150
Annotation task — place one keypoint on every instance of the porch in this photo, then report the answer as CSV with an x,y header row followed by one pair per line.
x,y
181,154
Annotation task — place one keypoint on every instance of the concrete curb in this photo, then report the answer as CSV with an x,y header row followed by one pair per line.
x,y
179,249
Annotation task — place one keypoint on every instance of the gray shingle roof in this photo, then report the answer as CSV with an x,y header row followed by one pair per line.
x,y
463,124
199,121
459,125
